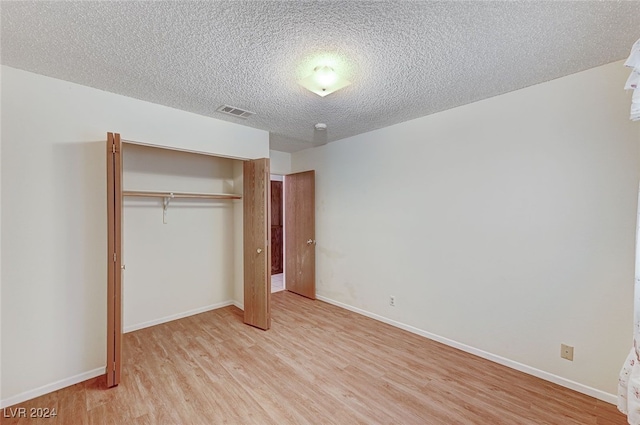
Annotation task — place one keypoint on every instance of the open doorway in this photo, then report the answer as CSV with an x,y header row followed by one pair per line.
x,y
277,233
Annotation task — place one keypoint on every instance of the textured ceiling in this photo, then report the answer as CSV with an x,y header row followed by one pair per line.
x,y
405,59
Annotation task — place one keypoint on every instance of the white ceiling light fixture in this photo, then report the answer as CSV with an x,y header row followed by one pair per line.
x,y
323,81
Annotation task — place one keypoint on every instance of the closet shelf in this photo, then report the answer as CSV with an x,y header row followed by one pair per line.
x,y
154,194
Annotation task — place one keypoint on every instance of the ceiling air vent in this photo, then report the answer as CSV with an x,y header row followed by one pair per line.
x,y
235,112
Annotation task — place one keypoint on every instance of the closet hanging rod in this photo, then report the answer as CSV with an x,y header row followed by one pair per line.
x,y
153,194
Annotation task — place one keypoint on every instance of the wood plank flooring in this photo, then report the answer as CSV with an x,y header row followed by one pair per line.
x,y
319,364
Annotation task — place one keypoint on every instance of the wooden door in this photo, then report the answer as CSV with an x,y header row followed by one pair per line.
x,y
300,233
114,258
257,251
277,256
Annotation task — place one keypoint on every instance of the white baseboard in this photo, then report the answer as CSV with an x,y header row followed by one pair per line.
x,y
177,316
55,386
584,389
576,386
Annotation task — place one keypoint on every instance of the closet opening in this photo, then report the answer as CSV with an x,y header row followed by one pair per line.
x,y
196,227
198,235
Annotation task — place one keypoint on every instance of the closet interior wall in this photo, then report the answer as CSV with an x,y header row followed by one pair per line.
x,y
188,264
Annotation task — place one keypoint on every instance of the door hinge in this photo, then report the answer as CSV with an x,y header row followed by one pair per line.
x,y
114,257
113,147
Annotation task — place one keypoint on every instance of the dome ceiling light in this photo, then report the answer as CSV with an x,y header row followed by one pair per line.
x,y
323,81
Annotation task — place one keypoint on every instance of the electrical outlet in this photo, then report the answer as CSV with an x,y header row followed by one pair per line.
x,y
566,352
392,301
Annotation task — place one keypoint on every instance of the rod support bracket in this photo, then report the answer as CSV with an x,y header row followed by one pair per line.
x,y
165,205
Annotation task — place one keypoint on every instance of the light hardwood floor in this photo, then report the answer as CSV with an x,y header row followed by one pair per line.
x,y
318,364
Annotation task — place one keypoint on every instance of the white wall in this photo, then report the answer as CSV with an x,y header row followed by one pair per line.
x,y
54,218
506,226
280,162
185,265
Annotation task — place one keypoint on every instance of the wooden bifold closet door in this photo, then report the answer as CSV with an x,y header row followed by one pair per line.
x,y
257,249
114,258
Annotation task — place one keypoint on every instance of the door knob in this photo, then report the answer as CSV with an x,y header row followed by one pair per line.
x,y
259,250
123,267
310,241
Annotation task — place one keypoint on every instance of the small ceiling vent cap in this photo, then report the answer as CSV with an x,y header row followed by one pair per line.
x,y
235,112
